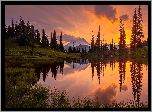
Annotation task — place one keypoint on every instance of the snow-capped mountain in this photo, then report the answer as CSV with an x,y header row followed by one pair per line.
x,y
78,42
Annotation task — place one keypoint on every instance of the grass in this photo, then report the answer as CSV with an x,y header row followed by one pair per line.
x,y
12,49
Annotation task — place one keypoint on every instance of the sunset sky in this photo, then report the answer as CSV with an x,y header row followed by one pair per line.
x,y
79,20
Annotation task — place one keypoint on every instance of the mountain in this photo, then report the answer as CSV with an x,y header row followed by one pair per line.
x,y
81,42
78,41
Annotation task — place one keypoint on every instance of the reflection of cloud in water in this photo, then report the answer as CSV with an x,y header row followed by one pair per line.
x,y
124,87
68,70
77,67
106,95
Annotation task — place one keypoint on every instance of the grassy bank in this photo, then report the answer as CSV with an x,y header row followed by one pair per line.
x,y
12,49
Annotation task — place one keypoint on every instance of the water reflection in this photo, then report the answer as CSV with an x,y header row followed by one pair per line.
x,y
106,72
44,69
122,71
136,76
100,66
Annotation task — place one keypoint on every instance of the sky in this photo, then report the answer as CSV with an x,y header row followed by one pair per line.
x,y
79,20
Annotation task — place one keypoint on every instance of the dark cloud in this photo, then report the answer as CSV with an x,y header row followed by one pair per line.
x,y
124,87
124,17
106,95
106,10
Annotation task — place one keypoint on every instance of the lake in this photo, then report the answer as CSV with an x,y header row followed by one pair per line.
x,y
109,80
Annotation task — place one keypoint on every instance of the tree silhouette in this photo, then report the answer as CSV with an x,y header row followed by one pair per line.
x,y
45,42
61,44
122,42
137,31
54,41
37,36
140,34
92,43
70,49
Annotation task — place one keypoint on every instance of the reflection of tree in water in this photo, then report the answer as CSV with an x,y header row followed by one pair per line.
x,y
54,68
96,64
122,71
61,67
136,77
92,66
45,68
100,66
45,71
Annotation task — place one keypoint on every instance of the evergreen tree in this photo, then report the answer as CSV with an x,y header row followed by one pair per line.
x,y
70,49
17,29
32,33
133,40
54,41
37,36
137,31
12,29
44,39
140,34
24,36
74,50
122,42
61,44
115,47
92,42
111,46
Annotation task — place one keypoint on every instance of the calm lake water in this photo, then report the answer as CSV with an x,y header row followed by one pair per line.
x,y
108,80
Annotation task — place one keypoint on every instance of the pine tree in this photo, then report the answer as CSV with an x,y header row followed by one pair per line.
x,y
61,44
44,39
24,36
12,29
92,43
137,30
122,42
17,29
133,40
111,46
140,34
54,41
37,36
70,49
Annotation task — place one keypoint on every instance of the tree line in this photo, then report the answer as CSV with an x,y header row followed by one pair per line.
x,y
26,35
